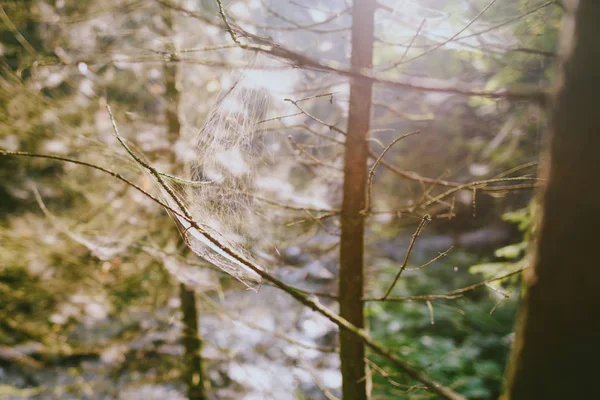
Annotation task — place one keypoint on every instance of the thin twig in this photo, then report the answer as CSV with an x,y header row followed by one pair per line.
x,y
332,127
430,308
187,182
427,264
376,164
326,392
412,40
496,305
453,37
315,160
97,167
226,22
484,283
315,219
494,27
309,27
305,127
20,38
406,50
428,190
454,294
386,375
510,21
476,184
455,309
503,296
316,96
148,167
413,176
515,169
194,49
414,298
277,118
415,235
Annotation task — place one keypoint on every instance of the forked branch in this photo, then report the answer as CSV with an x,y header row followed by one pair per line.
x,y
415,235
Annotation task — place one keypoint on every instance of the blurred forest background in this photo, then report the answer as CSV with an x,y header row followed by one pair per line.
x,y
101,299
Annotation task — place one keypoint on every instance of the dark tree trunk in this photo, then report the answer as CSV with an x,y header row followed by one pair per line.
x,y
351,274
557,349
192,343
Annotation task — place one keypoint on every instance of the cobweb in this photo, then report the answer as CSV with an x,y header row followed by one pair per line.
x,y
224,169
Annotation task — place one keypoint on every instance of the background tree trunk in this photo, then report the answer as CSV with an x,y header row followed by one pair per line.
x,y
192,343
193,374
557,349
351,274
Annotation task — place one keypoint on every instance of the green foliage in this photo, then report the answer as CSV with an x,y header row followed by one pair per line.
x,y
466,345
469,340
514,255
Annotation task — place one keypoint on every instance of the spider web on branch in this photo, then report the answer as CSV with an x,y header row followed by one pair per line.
x,y
227,158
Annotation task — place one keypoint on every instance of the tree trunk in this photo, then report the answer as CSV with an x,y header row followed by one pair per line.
x,y
194,378
193,374
192,343
351,274
557,348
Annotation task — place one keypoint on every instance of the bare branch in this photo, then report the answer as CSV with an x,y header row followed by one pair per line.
x,y
428,263
309,27
484,283
419,84
476,184
97,167
377,161
415,298
407,49
302,111
415,235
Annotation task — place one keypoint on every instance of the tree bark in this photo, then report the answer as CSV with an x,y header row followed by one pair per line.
x,y
351,274
557,348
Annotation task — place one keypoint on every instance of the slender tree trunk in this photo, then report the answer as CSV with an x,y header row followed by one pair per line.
x,y
193,374
192,343
351,275
557,349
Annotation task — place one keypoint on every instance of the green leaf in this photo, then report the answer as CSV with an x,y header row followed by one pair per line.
x,y
490,269
512,251
522,217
